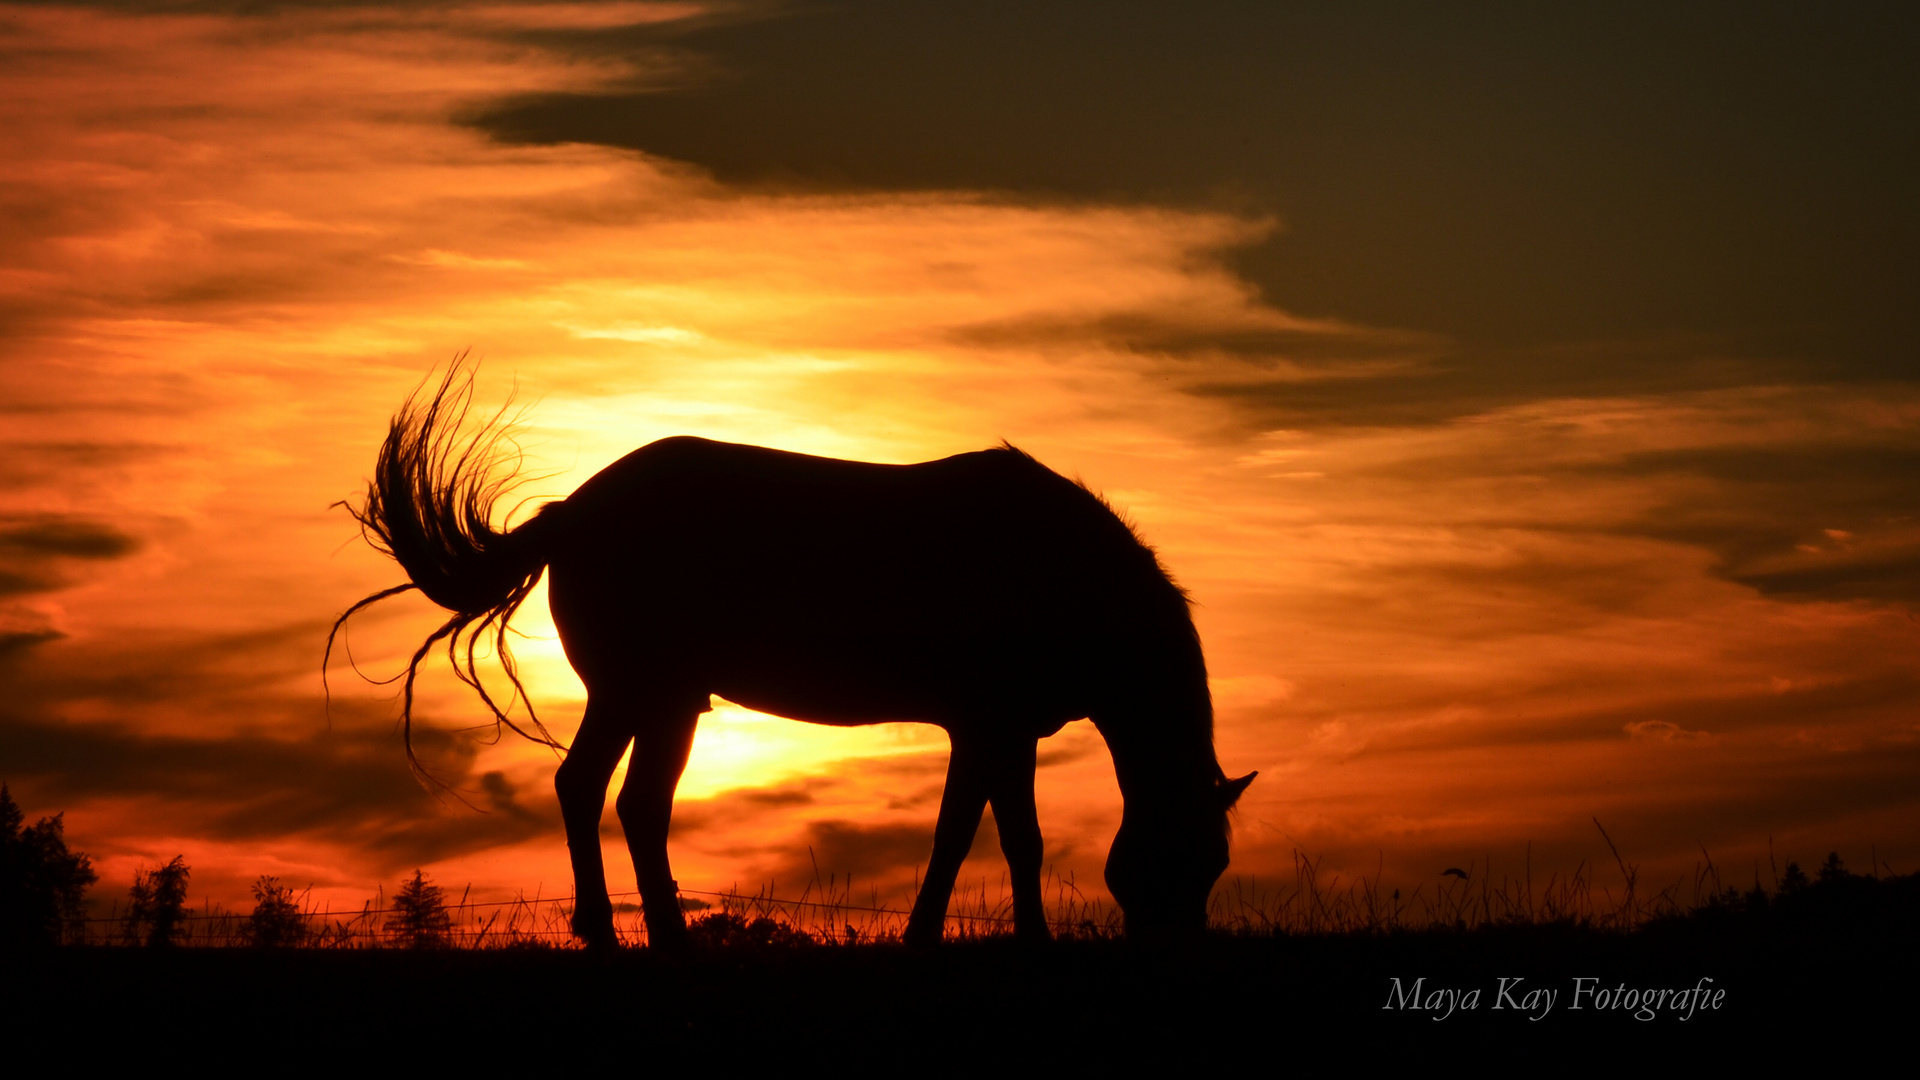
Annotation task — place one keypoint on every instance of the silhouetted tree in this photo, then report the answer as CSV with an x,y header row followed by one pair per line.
x,y
1793,880
1833,869
419,917
276,918
158,902
43,886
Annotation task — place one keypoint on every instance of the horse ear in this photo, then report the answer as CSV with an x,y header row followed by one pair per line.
x,y
1231,790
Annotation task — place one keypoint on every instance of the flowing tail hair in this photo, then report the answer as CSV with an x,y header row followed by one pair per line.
x,y
430,506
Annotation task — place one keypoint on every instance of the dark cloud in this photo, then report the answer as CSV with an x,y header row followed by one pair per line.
x,y
839,850
1863,473
1528,593
1827,510
849,847
1836,799
345,781
1826,706
13,642
1811,794
32,550
1814,521
1334,350
741,807
72,538
1499,175
923,797
256,8
227,675
790,796
733,809
1887,575
14,583
36,225
350,787
887,853
1437,383
906,768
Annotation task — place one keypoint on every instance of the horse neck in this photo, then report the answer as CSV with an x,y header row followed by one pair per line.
x,y
1162,746
1157,713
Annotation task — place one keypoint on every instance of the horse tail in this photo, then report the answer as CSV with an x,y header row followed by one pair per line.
x,y
430,507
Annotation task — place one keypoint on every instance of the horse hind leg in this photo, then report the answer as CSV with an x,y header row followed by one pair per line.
x,y
581,785
961,804
663,739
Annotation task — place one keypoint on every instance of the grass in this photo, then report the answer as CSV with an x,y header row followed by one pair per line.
x,y
1301,962
1311,904
826,913
1464,899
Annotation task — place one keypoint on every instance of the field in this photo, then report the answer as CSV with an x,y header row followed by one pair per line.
x,y
1812,959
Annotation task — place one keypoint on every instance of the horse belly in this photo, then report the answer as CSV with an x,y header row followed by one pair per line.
x,y
935,659
818,644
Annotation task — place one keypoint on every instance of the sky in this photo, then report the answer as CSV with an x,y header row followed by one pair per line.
x,y
1526,396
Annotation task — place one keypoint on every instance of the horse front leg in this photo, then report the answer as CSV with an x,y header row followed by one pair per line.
x,y
660,749
960,807
581,784
1018,820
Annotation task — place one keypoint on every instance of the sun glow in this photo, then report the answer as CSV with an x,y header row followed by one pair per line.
x,y
736,747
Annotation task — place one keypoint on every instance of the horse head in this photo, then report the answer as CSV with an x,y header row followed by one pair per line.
x,y
1167,856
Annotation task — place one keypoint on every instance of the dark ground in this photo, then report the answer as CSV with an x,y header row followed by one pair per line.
x,y
1789,979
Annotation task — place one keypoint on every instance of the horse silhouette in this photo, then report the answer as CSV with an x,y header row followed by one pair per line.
x,y
982,593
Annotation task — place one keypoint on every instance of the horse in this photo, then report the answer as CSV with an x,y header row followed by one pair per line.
x,y
982,593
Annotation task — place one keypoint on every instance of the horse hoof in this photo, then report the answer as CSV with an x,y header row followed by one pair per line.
x,y
1038,938
671,940
596,933
598,939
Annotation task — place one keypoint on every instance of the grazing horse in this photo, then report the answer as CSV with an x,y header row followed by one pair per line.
x,y
983,593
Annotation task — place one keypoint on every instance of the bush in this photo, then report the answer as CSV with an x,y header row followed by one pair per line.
x,y
43,886
727,929
158,903
419,918
276,919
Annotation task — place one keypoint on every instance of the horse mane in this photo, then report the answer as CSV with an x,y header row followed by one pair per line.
x,y
430,507
1118,513
1199,714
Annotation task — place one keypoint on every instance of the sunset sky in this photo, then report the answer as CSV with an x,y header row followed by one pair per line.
x,y
1527,395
